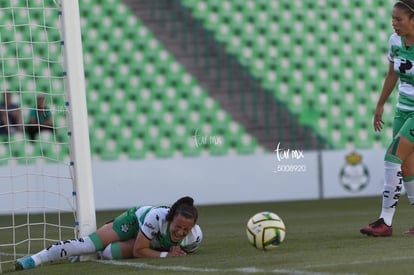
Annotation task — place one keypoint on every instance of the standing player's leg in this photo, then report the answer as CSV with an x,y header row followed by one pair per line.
x,y
397,154
408,178
407,152
392,183
390,196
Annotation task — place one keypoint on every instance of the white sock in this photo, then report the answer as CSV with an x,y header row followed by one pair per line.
x,y
392,190
409,188
107,253
64,249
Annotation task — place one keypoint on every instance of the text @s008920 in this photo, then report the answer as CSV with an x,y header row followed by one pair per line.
x,y
290,168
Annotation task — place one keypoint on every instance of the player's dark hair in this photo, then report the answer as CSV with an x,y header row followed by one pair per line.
x,y
184,207
407,6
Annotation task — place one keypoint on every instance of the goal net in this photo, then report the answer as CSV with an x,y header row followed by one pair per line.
x,y
46,191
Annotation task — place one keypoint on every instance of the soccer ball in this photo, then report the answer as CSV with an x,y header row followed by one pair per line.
x,y
265,230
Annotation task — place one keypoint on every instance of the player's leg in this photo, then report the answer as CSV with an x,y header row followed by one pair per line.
x,y
65,249
408,179
397,153
125,228
406,152
119,250
392,183
390,197
117,244
122,228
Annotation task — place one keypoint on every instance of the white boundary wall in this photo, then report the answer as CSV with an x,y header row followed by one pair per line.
x,y
233,179
210,180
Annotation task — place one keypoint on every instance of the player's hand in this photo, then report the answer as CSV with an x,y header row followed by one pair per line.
x,y
378,118
176,251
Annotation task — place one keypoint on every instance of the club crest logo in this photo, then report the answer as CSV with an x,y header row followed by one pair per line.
x,y
125,227
354,175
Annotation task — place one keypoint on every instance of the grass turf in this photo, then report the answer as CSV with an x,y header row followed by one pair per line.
x,y
322,238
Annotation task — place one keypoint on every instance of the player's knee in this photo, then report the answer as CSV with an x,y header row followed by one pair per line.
x,y
106,253
112,252
407,167
407,170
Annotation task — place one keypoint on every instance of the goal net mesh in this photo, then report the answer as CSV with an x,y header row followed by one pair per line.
x,y
37,205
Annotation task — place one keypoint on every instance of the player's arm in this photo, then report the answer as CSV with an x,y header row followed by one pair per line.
x,y
142,248
389,83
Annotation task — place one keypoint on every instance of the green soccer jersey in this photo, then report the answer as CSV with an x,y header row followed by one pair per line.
x,y
153,224
403,59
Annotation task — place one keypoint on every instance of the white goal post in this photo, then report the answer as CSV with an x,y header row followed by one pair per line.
x,y
80,147
46,186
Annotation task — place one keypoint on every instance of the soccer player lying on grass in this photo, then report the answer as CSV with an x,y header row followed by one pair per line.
x,y
139,232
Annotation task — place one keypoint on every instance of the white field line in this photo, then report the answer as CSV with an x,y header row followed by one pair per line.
x,y
244,270
249,270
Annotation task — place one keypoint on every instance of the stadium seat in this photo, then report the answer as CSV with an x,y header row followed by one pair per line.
x,y
339,39
312,72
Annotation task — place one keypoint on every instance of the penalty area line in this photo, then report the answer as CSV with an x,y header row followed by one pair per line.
x,y
247,270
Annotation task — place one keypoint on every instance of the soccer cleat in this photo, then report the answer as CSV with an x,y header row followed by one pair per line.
x,y
377,229
410,231
25,263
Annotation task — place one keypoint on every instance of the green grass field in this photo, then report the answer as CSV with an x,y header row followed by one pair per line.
x,y
322,238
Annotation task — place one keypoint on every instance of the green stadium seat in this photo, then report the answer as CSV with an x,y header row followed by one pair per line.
x,y
164,148
325,79
217,147
179,137
110,151
247,146
189,148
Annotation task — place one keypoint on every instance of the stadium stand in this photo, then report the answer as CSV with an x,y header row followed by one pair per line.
x,y
142,103
223,77
21,62
308,68
323,69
